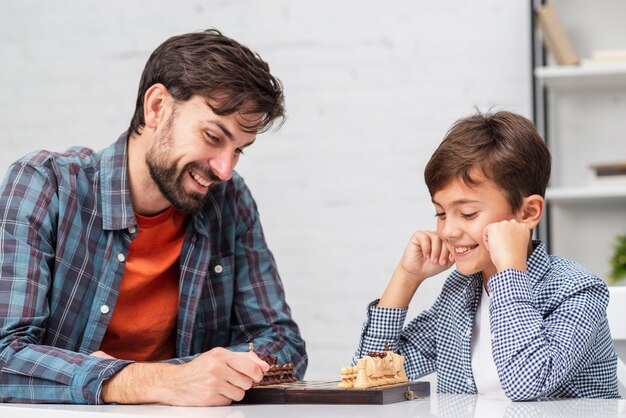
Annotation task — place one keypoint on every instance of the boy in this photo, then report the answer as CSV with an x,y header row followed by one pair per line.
x,y
511,320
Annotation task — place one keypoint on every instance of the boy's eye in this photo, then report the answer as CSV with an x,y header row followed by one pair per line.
x,y
469,215
239,151
440,215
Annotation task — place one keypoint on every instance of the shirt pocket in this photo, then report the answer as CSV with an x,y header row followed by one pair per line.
x,y
217,294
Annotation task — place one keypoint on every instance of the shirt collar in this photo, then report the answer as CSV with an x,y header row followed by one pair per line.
x,y
538,263
473,289
117,208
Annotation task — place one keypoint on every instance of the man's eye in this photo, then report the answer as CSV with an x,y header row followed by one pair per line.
x,y
440,215
239,151
212,138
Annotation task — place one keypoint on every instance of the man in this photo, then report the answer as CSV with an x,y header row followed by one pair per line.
x,y
139,274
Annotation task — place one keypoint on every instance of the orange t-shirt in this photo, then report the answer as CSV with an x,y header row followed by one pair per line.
x,y
143,324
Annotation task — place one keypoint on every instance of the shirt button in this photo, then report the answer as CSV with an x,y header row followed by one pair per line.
x,y
121,257
132,229
104,309
468,333
469,381
218,269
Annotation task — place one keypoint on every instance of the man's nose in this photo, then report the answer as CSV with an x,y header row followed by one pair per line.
x,y
224,164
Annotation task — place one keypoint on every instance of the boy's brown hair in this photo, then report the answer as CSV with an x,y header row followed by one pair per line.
x,y
504,146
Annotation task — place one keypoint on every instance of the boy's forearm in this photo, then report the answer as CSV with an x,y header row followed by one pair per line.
x,y
399,290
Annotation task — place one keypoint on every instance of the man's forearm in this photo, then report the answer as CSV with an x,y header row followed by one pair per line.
x,y
139,383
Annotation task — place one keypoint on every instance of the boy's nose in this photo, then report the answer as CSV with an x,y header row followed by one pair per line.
x,y
450,230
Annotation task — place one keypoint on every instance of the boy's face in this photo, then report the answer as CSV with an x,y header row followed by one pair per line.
x,y
462,214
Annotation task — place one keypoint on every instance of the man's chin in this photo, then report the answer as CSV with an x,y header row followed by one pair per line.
x,y
191,204
187,209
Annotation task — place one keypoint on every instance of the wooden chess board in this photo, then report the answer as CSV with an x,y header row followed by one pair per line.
x,y
322,392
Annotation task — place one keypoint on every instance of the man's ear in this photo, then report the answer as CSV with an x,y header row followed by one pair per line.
x,y
531,210
153,105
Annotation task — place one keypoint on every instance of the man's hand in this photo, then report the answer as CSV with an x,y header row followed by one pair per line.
x,y
216,377
425,256
507,243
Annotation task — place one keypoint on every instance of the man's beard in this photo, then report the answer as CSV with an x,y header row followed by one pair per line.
x,y
169,179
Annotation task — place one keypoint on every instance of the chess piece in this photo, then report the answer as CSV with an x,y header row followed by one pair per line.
x,y
346,380
278,373
366,367
375,369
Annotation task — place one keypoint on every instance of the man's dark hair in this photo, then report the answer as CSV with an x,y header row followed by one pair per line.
x,y
228,75
503,146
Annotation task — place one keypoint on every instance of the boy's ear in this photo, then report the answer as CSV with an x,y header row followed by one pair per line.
x,y
531,210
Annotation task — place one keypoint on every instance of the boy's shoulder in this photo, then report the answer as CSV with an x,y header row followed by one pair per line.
x,y
556,279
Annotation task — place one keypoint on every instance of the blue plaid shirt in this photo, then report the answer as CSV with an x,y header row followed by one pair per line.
x,y
66,222
550,335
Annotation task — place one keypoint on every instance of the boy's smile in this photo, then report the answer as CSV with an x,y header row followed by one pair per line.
x,y
462,214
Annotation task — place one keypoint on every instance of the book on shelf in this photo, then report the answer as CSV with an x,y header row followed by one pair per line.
x,y
554,36
605,57
609,173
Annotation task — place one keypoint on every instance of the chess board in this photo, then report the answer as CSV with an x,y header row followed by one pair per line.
x,y
322,392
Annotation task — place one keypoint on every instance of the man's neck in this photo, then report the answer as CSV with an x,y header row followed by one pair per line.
x,y
145,195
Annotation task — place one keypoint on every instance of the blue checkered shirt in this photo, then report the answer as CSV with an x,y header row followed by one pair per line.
x,y
550,335
66,222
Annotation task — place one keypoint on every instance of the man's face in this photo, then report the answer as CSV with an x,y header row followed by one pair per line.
x,y
194,151
462,214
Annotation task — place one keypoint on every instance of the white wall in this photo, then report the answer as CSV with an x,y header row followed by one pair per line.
x,y
371,89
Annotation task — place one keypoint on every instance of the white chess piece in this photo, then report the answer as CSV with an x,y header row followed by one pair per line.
x,y
346,381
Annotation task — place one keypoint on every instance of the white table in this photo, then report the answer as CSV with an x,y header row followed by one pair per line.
x,y
435,406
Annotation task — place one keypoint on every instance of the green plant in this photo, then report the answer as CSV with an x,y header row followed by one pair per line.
x,y
618,260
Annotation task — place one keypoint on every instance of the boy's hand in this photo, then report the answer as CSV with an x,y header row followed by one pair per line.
x,y
507,243
424,256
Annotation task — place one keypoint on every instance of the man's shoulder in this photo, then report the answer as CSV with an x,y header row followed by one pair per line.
x,y
230,203
232,190
74,156
237,182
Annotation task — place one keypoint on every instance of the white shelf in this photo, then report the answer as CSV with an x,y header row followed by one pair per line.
x,y
588,193
576,76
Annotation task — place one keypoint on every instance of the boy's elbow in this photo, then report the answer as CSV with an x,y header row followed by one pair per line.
x,y
519,386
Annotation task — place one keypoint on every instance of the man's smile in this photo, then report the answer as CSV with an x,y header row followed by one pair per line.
x,y
201,180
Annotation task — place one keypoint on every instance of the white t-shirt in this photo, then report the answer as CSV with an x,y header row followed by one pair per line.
x,y
483,366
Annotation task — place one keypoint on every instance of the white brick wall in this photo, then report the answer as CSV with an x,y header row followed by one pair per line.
x,y
371,89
